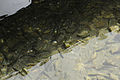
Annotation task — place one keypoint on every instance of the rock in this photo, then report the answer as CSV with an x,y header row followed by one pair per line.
x,y
1,41
24,72
47,31
115,28
54,42
67,45
84,33
4,70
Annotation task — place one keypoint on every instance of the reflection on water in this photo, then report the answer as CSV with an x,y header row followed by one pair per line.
x,y
12,6
97,60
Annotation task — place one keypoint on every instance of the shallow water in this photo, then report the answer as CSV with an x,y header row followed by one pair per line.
x,y
29,39
97,60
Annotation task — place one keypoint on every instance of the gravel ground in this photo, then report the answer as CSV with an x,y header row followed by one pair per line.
x,y
97,60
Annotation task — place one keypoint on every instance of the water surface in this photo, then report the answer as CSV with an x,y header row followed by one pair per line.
x,y
99,59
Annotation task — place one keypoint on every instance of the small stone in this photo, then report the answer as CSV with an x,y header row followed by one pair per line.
x,y
54,42
1,40
44,61
67,45
47,31
4,70
55,31
29,51
87,38
24,72
115,28
38,29
83,33
31,64
39,38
